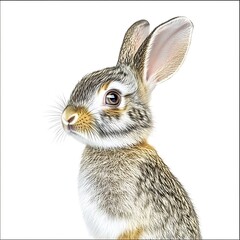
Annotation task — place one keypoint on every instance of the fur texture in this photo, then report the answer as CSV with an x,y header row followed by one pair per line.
x,y
126,190
135,186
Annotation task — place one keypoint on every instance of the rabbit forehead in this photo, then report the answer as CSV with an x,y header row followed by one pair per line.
x,y
119,77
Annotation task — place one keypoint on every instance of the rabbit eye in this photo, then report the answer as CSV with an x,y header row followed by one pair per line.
x,y
112,98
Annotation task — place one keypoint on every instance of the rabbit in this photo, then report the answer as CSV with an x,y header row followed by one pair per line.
x,y
126,190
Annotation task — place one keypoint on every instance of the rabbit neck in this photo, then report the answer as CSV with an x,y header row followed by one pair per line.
x,y
141,146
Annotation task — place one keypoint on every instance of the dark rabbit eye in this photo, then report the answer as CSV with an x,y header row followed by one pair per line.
x,y
112,98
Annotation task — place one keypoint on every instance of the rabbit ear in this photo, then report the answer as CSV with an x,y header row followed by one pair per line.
x,y
133,38
163,51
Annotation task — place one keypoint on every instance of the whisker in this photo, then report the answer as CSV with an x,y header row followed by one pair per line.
x,y
56,125
53,115
56,107
63,137
62,100
58,139
58,134
54,122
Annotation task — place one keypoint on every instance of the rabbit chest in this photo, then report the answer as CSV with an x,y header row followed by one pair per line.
x,y
126,188
108,190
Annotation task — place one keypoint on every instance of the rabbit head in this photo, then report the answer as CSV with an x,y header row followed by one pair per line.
x,y
109,108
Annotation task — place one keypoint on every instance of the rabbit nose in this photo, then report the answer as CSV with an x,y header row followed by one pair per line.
x,y
72,119
69,116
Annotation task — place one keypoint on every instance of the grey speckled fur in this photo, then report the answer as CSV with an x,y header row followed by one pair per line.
x,y
126,190
135,183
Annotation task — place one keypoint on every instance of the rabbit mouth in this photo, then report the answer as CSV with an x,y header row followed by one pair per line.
x,y
67,128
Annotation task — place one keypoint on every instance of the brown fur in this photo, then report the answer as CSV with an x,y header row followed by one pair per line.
x,y
104,86
115,111
145,145
135,234
85,119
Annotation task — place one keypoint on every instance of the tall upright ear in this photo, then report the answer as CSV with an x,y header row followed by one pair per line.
x,y
163,51
133,38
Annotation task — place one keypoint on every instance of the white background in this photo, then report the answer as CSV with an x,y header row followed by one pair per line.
x,y
46,47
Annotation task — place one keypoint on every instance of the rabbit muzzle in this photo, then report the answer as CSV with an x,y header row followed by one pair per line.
x,y
76,119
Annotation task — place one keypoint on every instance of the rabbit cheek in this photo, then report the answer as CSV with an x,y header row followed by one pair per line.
x,y
114,113
84,123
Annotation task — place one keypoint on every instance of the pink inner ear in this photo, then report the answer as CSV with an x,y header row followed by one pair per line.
x,y
167,50
141,36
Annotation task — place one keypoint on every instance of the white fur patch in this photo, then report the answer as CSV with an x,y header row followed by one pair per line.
x,y
100,225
